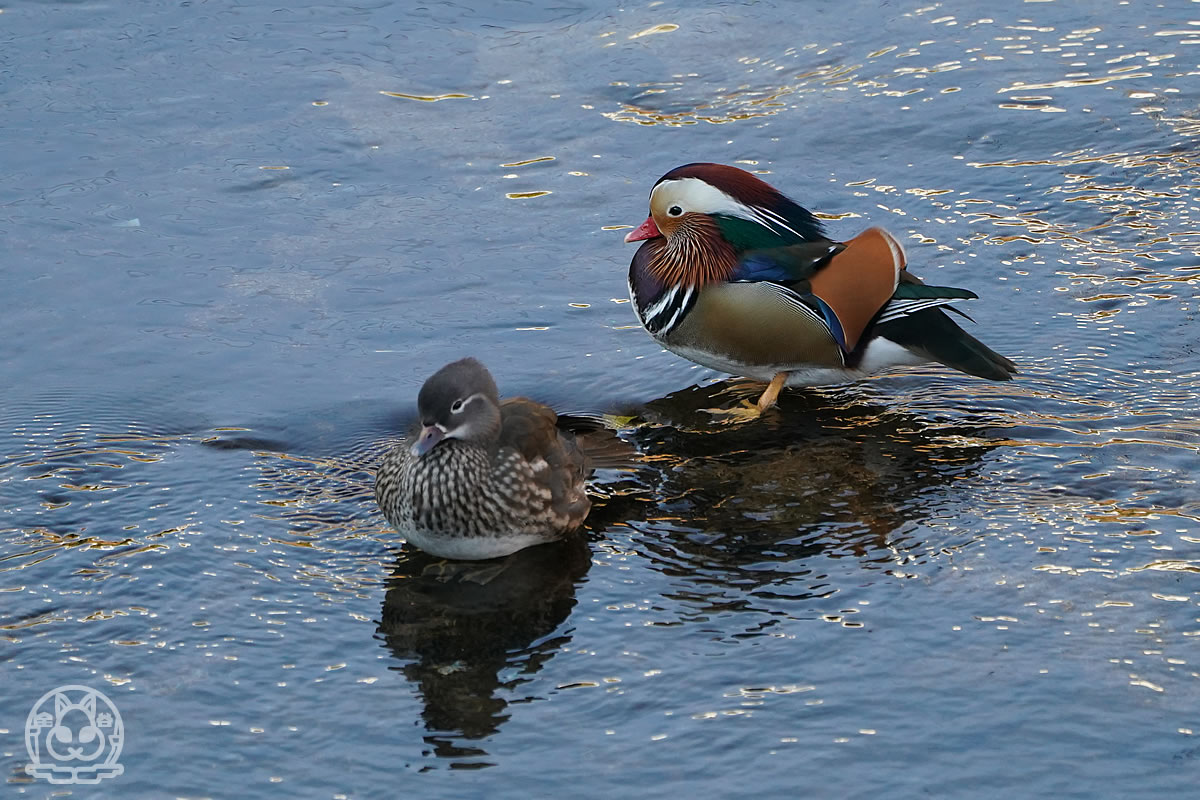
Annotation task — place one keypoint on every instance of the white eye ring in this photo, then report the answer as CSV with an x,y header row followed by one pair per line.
x,y
457,407
675,211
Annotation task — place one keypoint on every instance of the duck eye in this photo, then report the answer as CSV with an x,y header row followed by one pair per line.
x,y
457,407
675,211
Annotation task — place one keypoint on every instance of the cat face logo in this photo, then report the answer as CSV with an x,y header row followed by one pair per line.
x,y
74,734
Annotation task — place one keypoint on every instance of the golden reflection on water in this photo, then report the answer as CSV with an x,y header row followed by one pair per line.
x,y
528,161
667,27
314,494
312,497
1124,74
96,455
883,71
428,98
1131,226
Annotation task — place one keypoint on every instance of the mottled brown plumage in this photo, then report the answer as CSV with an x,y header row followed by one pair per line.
x,y
483,478
531,429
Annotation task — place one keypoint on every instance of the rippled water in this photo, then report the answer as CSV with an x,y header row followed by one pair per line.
x,y
236,238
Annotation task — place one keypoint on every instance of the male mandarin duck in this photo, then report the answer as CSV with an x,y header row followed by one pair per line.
x,y
484,477
735,276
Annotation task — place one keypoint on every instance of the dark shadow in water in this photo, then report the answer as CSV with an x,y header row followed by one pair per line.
x,y
467,630
750,517
738,511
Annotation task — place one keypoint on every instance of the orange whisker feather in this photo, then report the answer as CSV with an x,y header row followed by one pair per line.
x,y
695,253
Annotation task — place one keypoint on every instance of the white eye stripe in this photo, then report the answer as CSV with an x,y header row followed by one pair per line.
x,y
460,405
694,194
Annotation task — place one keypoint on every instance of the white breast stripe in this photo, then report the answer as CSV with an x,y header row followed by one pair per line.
x,y
660,318
637,303
667,298
679,312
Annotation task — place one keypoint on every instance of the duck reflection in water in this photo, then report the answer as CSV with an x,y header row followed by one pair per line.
x,y
468,631
734,513
736,510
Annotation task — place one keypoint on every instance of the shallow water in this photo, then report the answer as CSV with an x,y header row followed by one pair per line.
x,y
236,239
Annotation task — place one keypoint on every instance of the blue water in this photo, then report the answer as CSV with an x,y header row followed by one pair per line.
x,y
235,239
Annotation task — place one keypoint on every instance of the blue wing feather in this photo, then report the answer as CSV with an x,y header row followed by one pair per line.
x,y
760,266
785,264
835,324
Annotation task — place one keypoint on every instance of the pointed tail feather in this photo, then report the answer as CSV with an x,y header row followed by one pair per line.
x,y
923,291
935,335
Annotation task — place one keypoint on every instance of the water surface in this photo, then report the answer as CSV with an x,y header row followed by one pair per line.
x,y
237,238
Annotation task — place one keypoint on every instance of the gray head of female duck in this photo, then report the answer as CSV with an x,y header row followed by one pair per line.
x,y
460,401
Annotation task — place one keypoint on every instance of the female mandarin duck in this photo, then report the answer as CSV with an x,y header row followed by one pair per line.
x,y
484,477
737,277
